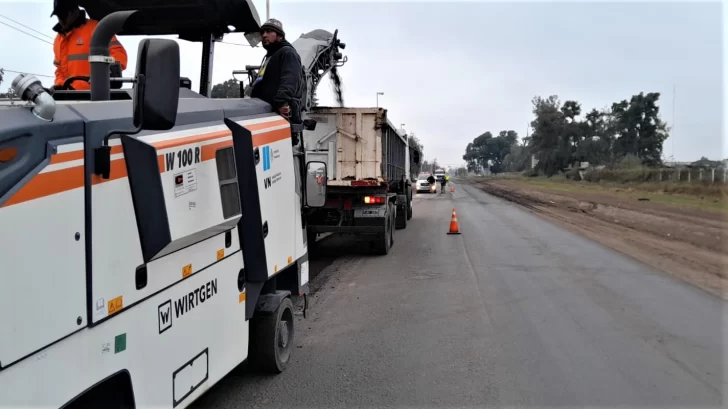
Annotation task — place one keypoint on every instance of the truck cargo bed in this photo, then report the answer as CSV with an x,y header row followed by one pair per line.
x,y
359,145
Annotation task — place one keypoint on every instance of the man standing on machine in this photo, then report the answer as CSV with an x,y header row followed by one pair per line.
x,y
72,45
279,78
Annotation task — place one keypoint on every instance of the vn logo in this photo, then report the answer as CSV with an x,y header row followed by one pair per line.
x,y
267,182
266,158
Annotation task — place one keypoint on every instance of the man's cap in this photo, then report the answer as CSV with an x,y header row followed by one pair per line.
x,y
273,25
63,5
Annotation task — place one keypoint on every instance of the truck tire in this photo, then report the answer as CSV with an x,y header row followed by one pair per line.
x,y
384,241
401,220
311,242
271,339
393,211
409,210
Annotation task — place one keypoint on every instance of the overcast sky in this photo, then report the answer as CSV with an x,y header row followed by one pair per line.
x,y
451,71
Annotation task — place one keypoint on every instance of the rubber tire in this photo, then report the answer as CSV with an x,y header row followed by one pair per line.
x,y
393,209
409,210
401,220
264,354
311,242
383,242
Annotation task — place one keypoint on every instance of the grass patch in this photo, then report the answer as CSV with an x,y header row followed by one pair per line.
x,y
711,197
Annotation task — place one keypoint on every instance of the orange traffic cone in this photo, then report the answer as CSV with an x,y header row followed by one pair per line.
x,y
454,227
452,188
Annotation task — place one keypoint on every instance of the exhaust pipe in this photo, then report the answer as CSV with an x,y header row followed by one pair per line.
x,y
99,57
28,88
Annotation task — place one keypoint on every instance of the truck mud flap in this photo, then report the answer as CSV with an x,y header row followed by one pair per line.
x,y
250,227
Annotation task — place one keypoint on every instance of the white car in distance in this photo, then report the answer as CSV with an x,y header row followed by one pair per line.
x,y
423,185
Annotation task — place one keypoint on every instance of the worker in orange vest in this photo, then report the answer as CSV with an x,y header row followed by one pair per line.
x,y
72,45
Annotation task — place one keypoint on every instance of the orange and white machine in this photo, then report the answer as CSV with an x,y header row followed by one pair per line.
x,y
152,237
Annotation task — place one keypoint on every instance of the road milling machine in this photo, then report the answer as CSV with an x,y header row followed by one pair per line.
x,y
152,237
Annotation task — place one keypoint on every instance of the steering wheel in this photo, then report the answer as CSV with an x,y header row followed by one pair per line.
x,y
67,83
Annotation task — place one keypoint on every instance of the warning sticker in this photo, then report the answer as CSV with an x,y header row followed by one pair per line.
x,y
185,182
115,305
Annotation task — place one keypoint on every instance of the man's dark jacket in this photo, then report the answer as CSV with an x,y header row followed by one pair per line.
x,y
281,81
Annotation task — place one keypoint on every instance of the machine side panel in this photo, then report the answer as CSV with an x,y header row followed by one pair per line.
x,y
115,235
44,297
193,209
32,142
169,329
41,207
276,184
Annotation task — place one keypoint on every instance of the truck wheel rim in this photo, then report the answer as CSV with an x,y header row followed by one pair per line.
x,y
285,335
283,339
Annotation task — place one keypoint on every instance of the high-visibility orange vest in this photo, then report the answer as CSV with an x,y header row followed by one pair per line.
x,y
71,51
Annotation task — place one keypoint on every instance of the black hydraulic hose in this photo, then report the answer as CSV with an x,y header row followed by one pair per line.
x,y
107,28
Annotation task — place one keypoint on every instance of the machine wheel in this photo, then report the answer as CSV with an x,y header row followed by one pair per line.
x,y
409,210
271,341
384,241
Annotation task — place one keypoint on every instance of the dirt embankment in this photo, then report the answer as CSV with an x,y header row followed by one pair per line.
x,y
686,242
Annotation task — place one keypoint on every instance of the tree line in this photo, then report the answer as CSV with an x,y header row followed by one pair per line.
x,y
562,137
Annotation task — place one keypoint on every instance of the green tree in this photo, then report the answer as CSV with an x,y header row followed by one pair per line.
x,y
488,151
476,153
573,132
499,147
550,148
415,144
704,162
639,129
596,145
228,89
518,159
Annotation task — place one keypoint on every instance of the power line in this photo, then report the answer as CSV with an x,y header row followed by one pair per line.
x,y
21,72
26,33
238,44
29,28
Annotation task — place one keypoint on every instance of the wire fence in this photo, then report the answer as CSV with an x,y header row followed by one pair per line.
x,y
680,174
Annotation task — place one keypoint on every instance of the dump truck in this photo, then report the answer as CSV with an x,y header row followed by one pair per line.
x,y
369,188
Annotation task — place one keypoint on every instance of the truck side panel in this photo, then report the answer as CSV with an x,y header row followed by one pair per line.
x,y
395,155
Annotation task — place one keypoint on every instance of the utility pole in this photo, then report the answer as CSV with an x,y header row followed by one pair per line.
x,y
267,10
378,94
673,123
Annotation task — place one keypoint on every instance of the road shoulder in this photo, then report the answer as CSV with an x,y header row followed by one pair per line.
x,y
681,243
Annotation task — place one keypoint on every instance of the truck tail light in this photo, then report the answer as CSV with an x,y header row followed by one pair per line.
x,y
374,199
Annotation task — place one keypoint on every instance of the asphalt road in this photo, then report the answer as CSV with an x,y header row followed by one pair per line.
x,y
515,311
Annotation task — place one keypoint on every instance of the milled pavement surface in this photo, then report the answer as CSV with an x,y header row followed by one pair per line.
x,y
515,311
